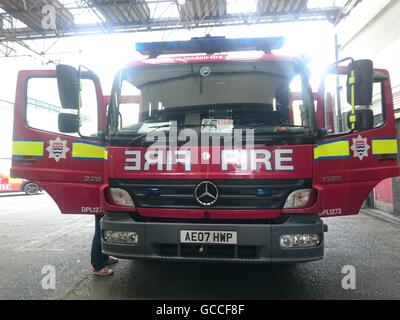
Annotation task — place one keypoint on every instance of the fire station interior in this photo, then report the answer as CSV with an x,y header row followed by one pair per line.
x,y
312,211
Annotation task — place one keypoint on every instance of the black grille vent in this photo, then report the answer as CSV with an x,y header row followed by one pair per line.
x,y
233,194
208,251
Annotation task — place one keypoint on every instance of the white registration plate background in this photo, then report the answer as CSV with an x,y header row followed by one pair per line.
x,y
212,237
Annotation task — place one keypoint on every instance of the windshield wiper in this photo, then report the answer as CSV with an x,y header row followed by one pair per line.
x,y
292,125
155,128
245,126
255,125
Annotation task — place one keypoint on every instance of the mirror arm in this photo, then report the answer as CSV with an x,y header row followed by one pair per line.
x,y
336,64
352,83
80,98
322,134
102,136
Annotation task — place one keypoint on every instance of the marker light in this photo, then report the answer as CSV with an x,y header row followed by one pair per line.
x,y
152,192
263,192
299,240
128,237
298,198
121,197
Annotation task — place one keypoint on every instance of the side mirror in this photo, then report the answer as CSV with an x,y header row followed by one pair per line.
x,y
68,123
364,119
68,81
363,82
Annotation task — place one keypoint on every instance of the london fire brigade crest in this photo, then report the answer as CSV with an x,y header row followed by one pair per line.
x,y
57,149
360,147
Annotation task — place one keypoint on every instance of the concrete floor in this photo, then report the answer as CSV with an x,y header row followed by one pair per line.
x,y
33,234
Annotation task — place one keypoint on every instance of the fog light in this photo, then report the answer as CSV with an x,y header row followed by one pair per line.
x,y
299,240
128,237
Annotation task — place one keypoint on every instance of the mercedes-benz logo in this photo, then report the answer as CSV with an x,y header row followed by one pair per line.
x,y
206,193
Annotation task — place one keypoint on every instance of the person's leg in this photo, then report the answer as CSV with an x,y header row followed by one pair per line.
x,y
98,259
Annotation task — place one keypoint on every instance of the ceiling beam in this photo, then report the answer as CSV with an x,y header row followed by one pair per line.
x,y
22,34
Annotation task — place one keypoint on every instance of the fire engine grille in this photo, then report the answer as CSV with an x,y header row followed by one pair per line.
x,y
232,194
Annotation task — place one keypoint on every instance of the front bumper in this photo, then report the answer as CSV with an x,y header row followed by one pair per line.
x,y
256,243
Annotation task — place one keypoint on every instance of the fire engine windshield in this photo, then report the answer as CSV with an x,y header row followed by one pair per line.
x,y
272,98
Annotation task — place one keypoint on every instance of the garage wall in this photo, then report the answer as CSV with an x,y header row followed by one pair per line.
x,y
6,126
373,31
396,180
383,194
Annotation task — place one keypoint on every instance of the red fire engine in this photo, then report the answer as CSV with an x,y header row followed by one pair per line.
x,y
8,184
209,149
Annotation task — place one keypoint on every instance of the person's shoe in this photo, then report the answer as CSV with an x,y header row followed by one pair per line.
x,y
102,272
111,260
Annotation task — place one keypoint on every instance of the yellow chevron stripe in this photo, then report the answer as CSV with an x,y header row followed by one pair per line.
x,y
28,148
332,150
384,146
88,151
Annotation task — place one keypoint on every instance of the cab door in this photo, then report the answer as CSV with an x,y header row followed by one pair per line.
x,y
70,167
349,163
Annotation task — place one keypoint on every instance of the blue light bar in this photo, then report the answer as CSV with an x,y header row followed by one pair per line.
x,y
209,45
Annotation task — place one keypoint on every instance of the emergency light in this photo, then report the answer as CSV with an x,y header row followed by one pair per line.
x,y
209,45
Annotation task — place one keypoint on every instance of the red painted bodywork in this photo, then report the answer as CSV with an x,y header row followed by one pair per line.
x,y
64,180
302,158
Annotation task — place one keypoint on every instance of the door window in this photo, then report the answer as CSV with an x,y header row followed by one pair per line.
x,y
43,106
337,108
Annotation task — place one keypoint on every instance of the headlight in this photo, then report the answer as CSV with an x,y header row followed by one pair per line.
x,y
121,197
299,240
298,198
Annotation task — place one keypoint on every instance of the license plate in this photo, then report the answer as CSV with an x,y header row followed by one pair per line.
x,y
212,237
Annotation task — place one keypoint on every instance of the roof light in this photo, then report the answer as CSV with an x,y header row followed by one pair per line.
x,y
209,45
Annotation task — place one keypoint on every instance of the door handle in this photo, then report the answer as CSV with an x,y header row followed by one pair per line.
x,y
25,160
387,158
